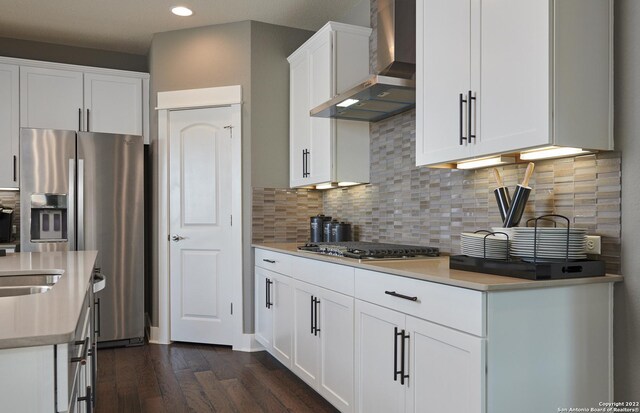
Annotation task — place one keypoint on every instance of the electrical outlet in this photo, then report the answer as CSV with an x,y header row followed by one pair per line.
x,y
593,245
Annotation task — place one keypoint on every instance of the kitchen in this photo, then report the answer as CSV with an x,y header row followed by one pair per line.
x,y
402,203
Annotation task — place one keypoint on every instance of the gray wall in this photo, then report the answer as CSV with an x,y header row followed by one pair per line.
x,y
26,49
249,54
627,140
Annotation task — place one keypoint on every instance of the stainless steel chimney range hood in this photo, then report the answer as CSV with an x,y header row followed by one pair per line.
x,y
392,90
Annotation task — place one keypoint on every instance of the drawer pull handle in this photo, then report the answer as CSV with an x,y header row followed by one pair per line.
x,y
406,297
269,261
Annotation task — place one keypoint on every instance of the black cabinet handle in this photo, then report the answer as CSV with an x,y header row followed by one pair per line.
x,y
98,312
313,307
79,119
406,297
315,317
307,170
269,261
462,101
88,130
471,100
87,398
395,353
399,372
85,351
304,163
403,375
268,302
15,171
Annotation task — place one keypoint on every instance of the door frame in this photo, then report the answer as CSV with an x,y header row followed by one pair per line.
x,y
227,96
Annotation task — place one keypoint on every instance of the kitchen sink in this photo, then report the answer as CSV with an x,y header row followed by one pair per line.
x,y
26,284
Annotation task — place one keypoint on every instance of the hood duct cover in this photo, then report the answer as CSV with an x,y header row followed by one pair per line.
x,y
392,91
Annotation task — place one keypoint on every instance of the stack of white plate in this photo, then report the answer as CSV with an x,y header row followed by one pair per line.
x,y
494,247
550,243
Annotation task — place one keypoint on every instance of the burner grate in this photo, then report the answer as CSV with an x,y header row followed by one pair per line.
x,y
370,250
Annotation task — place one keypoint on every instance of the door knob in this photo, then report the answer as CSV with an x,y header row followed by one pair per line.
x,y
177,238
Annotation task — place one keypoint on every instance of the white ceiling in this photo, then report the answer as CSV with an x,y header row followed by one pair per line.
x,y
128,25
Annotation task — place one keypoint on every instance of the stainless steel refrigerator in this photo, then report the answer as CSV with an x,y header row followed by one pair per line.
x,y
84,191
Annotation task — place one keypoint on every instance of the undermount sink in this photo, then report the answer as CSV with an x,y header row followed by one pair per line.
x,y
25,284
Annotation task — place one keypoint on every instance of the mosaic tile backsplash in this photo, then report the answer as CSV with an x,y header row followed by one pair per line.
x,y
11,199
282,215
417,205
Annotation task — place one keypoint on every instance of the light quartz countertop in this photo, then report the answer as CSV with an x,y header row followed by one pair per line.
x,y
49,317
437,270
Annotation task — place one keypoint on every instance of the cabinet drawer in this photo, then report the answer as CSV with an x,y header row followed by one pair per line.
x,y
334,277
453,307
273,261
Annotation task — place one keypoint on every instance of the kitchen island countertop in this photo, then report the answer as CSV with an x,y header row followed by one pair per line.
x,y
50,317
437,270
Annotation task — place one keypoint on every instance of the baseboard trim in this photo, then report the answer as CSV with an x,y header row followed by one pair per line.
x,y
247,343
154,336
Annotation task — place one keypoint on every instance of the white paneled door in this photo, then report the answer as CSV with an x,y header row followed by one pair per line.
x,y
200,174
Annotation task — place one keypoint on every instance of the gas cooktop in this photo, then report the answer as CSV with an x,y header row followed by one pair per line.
x,y
370,250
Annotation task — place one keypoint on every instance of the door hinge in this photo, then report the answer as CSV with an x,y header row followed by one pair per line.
x,y
231,219
231,308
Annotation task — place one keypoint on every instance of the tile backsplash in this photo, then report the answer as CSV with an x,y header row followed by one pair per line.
x,y
11,199
282,215
417,205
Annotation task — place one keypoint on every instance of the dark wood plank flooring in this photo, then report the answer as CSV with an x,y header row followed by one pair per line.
x,y
185,377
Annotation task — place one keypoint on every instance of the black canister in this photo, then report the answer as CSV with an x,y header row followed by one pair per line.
x,y
340,232
317,227
327,233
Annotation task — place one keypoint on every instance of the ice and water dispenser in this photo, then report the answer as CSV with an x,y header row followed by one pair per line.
x,y
48,217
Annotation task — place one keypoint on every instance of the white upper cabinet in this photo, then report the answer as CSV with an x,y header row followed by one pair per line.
x,y
51,98
325,150
113,104
61,96
9,126
510,75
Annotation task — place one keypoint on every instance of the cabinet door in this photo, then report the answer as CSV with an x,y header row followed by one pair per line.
x,y
9,126
113,104
513,109
335,322
446,371
377,390
264,314
51,98
444,72
306,344
321,88
282,294
299,122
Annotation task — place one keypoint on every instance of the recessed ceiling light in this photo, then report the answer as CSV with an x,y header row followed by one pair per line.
x,y
181,11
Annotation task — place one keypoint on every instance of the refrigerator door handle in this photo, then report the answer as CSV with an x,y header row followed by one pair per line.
x,y
71,206
80,212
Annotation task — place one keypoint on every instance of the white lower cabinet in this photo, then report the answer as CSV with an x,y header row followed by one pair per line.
x,y
373,342
274,313
264,314
377,359
405,364
323,342
446,369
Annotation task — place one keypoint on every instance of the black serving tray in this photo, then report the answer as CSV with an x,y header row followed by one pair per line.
x,y
556,270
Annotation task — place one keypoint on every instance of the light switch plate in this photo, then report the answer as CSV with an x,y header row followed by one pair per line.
x,y
593,245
